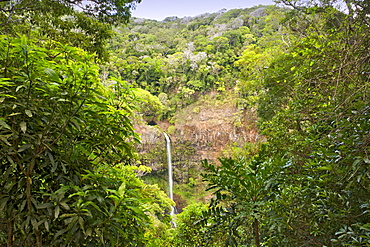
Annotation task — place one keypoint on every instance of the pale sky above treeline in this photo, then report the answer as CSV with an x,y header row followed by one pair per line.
x,y
160,9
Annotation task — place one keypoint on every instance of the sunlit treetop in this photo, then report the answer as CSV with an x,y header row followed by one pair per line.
x,y
85,24
110,11
359,9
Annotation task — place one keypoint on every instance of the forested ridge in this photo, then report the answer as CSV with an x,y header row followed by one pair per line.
x,y
78,81
179,59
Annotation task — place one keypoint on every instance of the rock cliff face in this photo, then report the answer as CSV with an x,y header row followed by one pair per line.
x,y
207,126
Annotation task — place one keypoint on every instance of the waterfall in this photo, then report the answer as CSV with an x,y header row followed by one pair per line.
x,y
169,160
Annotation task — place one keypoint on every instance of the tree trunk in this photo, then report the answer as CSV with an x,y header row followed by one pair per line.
x,y
38,238
256,232
10,225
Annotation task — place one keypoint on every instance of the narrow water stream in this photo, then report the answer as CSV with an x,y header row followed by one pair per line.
x,y
170,178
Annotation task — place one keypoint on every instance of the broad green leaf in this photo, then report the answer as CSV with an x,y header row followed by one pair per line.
x,y
54,167
4,124
23,205
24,147
56,212
67,215
28,113
14,114
34,223
3,203
64,168
23,126
52,74
4,139
19,88
8,96
51,158
46,223
325,168
81,223
122,189
64,205
60,232
45,205
88,231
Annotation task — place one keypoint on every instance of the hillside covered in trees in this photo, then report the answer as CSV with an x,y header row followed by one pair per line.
x,y
179,59
267,109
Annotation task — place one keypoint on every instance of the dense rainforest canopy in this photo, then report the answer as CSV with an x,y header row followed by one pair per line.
x,y
75,76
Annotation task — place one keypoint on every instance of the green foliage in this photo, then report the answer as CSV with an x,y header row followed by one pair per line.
x,y
308,185
315,111
147,104
233,150
61,135
187,57
243,189
77,23
188,231
113,206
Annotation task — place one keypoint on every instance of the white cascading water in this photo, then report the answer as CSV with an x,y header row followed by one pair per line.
x,y
170,179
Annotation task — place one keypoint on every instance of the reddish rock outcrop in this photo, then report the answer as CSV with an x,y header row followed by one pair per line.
x,y
209,128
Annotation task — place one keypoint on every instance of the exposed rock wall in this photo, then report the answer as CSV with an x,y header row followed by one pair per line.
x,y
209,129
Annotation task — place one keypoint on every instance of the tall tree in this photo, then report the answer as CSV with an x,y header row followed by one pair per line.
x,y
315,110
244,189
79,23
62,136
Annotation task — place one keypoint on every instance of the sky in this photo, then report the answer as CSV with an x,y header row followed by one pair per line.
x,y
160,9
